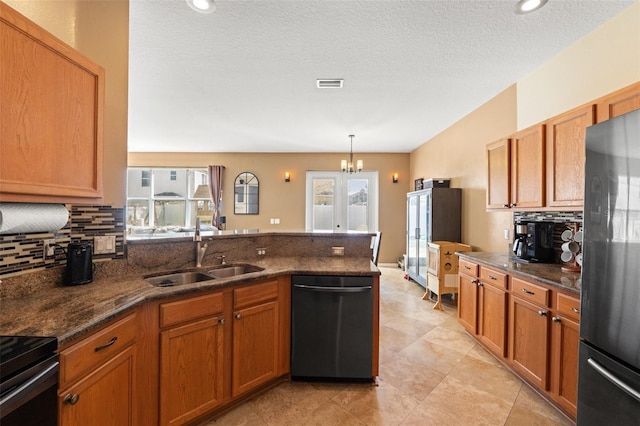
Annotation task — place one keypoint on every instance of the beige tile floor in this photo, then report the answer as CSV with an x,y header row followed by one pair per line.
x,y
431,373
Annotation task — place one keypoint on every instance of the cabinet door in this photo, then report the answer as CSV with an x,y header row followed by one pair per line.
x,y
190,370
529,340
492,324
52,116
619,102
498,175
468,302
566,339
527,167
104,397
566,156
255,346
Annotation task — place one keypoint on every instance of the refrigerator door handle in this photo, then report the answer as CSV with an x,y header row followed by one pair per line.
x,y
613,379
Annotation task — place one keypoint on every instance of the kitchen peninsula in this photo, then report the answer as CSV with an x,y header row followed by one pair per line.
x,y
230,337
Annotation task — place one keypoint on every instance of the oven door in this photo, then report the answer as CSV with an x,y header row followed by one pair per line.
x,y
30,397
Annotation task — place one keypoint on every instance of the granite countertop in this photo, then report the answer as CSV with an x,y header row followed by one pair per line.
x,y
69,312
546,273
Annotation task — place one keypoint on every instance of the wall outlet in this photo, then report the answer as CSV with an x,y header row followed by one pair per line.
x,y
261,251
104,245
49,248
506,234
337,251
275,221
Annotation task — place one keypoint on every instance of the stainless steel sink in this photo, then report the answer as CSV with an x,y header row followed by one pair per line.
x,y
231,271
178,278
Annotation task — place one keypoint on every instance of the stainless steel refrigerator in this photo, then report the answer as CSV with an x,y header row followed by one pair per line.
x,y
609,356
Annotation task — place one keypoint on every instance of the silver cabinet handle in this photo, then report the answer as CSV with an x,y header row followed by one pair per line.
x,y
71,399
480,284
542,313
524,290
491,277
475,282
238,316
556,319
106,345
467,267
613,379
221,321
576,310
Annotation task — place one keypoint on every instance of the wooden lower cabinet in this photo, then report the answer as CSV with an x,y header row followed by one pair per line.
x,y
532,328
529,340
104,397
492,327
468,302
191,361
98,378
565,339
255,346
482,305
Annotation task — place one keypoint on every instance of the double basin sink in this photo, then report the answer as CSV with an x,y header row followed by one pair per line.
x,y
177,278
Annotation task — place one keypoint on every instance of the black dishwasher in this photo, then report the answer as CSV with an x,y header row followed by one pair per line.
x,y
331,327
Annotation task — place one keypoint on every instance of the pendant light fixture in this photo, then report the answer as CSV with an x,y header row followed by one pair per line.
x,y
347,166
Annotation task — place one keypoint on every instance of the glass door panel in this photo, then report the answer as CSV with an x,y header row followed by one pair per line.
x,y
422,237
324,200
357,204
412,237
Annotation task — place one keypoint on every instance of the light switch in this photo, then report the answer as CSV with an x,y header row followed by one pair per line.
x,y
104,245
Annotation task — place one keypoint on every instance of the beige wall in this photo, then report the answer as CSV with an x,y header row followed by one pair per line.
x,y
459,153
286,201
100,30
603,61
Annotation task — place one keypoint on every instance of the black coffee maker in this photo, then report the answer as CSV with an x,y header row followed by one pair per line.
x,y
79,263
534,241
520,240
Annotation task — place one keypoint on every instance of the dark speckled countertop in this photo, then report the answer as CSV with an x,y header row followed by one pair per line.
x,y
70,312
546,273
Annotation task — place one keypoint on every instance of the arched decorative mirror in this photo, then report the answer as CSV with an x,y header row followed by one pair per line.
x,y
245,193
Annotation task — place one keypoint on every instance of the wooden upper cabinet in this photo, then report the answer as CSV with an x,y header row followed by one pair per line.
x,y
528,167
498,175
620,102
51,124
566,156
516,170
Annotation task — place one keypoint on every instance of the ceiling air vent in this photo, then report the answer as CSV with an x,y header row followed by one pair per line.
x,y
333,83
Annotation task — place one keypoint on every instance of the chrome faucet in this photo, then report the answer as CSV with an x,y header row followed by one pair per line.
x,y
201,249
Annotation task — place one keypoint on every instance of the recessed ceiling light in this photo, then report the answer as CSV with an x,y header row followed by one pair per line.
x,y
527,6
202,6
329,83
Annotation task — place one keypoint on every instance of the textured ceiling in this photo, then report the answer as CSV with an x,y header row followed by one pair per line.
x,y
243,79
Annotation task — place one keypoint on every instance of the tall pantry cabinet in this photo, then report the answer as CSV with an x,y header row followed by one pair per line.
x,y
433,214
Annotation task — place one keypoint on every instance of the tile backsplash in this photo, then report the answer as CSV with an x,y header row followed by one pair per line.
x,y
562,221
22,253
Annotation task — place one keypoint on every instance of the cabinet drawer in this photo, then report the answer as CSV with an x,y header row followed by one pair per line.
x,y
568,306
247,296
96,349
493,277
468,268
189,309
531,292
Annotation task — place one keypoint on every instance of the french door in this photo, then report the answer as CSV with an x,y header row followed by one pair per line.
x,y
341,202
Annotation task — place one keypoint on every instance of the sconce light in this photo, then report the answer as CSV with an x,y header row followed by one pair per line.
x,y
287,177
395,178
